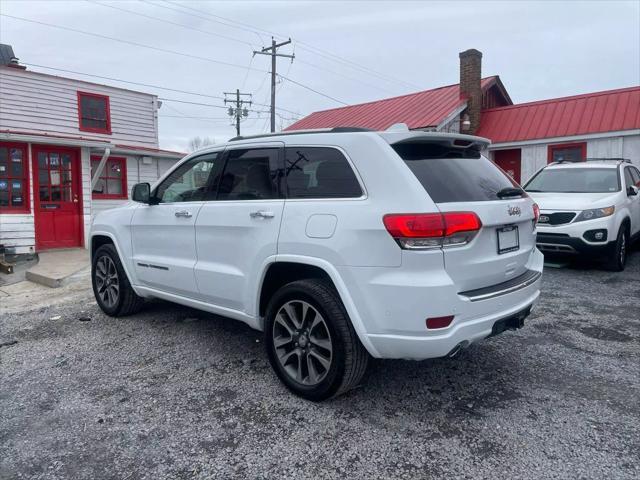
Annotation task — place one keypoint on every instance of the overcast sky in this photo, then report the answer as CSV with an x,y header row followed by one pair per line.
x,y
367,50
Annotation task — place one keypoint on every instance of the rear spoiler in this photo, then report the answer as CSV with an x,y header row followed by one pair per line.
x,y
453,140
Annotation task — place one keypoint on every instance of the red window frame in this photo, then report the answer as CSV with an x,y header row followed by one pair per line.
x,y
105,176
108,112
26,177
562,146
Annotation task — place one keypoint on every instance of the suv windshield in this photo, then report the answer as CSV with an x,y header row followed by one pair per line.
x,y
454,174
575,180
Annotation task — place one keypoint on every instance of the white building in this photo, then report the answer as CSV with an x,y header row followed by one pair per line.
x,y
69,148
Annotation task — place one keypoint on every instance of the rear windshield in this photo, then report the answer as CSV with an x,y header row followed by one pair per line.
x,y
454,174
575,180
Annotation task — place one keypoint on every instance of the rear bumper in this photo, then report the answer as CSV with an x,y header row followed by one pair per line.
x,y
394,304
458,336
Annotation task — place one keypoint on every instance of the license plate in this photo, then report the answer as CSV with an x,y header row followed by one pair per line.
x,y
508,239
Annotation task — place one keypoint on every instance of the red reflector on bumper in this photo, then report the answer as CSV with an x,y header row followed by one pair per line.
x,y
439,322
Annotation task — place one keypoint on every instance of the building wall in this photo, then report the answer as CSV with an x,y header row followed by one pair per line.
x,y
534,156
39,103
17,231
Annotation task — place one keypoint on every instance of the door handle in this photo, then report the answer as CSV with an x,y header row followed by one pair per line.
x,y
183,213
262,214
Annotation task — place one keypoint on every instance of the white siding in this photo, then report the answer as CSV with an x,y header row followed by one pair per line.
x,y
535,156
532,158
605,147
39,103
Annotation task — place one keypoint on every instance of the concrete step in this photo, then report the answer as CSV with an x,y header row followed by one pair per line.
x,y
56,266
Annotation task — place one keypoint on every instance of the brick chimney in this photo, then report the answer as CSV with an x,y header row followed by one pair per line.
x,y
470,74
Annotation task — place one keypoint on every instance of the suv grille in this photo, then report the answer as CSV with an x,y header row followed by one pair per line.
x,y
557,218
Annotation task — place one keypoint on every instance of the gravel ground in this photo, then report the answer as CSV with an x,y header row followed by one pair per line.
x,y
176,393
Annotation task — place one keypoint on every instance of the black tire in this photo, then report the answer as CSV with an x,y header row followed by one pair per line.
x,y
349,359
618,257
126,301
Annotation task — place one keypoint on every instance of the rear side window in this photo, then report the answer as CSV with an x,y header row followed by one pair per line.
x,y
319,172
250,174
453,174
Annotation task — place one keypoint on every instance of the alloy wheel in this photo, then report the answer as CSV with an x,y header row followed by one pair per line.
x,y
107,281
302,342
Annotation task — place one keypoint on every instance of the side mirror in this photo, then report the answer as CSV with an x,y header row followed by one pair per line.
x,y
632,191
141,192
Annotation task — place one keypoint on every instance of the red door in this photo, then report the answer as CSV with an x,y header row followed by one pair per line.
x,y
57,197
509,161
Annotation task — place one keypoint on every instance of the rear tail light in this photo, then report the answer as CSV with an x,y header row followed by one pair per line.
x,y
536,213
419,231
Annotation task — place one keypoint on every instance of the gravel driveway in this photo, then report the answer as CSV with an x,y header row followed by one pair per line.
x,y
176,393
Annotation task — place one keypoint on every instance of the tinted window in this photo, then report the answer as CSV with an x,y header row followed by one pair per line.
x,y
319,172
635,174
453,174
628,178
192,181
250,174
575,180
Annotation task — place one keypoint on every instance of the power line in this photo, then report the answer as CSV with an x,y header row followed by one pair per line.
x,y
164,50
312,90
232,39
309,47
164,99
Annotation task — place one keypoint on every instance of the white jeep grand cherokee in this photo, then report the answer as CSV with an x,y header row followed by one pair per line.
x,y
338,244
590,208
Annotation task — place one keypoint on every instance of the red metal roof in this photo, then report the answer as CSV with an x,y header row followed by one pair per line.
x,y
418,110
608,111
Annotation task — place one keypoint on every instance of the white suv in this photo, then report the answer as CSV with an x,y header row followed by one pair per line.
x,y
338,244
590,208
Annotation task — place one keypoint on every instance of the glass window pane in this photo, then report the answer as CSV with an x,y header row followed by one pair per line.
x,y
319,172
56,196
66,160
4,185
66,194
16,169
16,186
54,159
55,177
44,194
4,169
114,169
250,175
42,160
4,154
17,199
4,198
191,181
572,154
114,186
16,155
43,177
66,177
100,186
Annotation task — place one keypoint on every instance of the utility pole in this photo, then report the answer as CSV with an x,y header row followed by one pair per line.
x,y
273,51
239,111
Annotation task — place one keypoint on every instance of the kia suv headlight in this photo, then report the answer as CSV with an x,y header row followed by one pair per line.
x,y
595,213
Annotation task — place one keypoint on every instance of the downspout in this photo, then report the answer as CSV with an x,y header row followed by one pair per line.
x,y
98,172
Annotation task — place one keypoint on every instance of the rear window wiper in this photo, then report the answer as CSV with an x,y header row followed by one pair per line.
x,y
510,192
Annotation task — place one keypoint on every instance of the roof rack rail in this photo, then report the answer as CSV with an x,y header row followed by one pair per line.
x,y
302,132
608,159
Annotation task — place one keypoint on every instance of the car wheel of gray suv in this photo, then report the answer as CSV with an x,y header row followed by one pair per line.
x,y
310,341
111,286
618,257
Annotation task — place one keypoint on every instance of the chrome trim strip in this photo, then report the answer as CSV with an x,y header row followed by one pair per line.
x,y
504,291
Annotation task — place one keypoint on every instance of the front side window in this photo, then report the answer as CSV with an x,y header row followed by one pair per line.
x,y
112,182
319,172
250,174
574,152
94,113
192,181
575,180
628,178
635,176
14,175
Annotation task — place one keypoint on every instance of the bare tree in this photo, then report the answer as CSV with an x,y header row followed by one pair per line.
x,y
196,143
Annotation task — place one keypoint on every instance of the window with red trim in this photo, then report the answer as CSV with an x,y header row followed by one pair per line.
x,y
14,178
94,114
568,152
112,182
